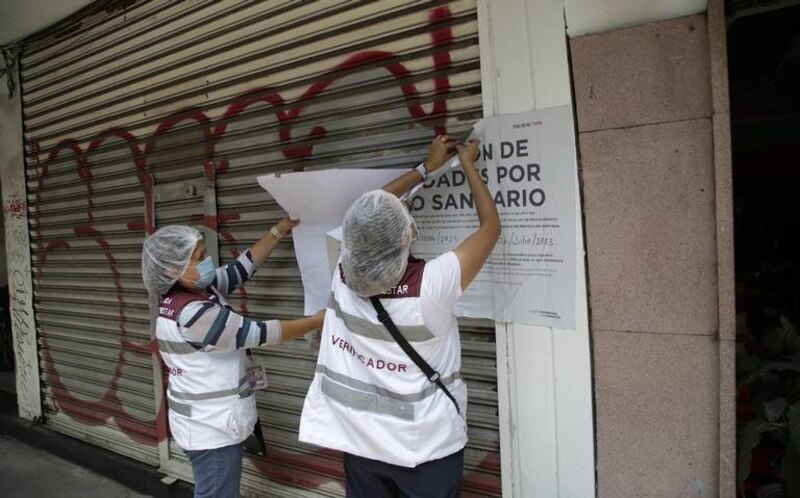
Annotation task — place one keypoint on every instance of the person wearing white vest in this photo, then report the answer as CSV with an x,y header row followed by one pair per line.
x,y
203,342
402,434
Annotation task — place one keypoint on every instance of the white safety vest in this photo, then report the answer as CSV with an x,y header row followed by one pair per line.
x,y
368,398
210,401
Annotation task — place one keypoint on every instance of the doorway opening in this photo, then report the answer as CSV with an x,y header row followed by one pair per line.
x,y
764,72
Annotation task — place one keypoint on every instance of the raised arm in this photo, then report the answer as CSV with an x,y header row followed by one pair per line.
x,y
233,275
441,149
476,249
267,243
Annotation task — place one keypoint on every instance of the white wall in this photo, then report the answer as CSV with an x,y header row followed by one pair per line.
x,y
20,18
594,16
544,374
15,214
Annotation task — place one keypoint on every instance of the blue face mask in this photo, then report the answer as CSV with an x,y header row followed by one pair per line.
x,y
207,272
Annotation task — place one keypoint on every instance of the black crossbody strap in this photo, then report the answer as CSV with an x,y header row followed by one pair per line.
x,y
423,365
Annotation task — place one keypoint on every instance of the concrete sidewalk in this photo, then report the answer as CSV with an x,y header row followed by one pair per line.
x,y
31,472
36,461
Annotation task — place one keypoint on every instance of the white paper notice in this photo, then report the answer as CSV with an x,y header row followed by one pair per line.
x,y
528,162
319,199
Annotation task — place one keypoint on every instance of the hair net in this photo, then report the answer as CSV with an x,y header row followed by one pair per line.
x,y
377,237
166,255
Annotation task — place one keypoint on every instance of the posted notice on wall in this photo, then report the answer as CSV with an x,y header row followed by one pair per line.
x,y
528,162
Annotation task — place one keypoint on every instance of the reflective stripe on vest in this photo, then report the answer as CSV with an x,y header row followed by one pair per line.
x,y
176,347
361,395
180,408
366,401
365,328
243,391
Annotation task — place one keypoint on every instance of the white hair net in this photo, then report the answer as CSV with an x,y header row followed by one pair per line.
x,y
166,255
377,237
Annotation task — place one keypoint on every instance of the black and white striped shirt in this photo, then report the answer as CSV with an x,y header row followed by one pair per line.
x,y
210,324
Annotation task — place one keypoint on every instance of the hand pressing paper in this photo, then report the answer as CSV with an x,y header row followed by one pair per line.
x,y
319,199
453,163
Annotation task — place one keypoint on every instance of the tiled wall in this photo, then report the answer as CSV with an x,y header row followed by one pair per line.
x,y
647,157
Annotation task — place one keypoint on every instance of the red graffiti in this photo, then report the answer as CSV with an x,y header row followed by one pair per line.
x,y
15,208
319,468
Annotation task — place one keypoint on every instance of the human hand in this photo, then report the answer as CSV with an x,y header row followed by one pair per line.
x,y
442,148
285,226
468,153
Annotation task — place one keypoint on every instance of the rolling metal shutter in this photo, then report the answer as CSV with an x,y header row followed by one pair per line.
x,y
141,114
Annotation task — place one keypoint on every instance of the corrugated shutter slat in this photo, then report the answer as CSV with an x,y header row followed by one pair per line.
x,y
146,113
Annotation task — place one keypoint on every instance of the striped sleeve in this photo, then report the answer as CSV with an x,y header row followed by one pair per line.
x,y
208,326
229,277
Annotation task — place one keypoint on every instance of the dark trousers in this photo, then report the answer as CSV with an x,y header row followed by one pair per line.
x,y
217,472
373,479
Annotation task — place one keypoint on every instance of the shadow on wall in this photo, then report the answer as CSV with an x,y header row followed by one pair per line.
x,y
6,343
